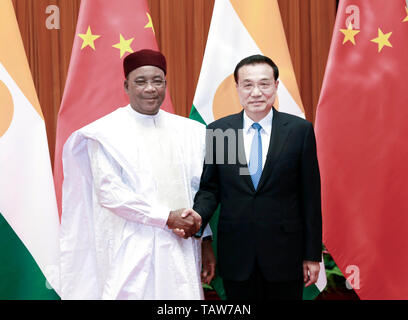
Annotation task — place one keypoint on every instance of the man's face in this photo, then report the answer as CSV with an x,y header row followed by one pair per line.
x,y
257,89
146,88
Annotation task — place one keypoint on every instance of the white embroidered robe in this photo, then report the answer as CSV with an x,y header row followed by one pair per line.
x,y
122,175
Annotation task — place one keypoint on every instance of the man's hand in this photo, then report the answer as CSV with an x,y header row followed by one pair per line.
x,y
184,222
208,260
310,272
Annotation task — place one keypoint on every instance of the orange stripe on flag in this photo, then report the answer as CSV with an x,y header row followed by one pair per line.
x,y
14,58
263,21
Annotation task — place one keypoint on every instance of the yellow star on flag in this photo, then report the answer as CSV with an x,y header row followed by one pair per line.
x,y
406,18
150,23
88,38
349,34
123,45
382,40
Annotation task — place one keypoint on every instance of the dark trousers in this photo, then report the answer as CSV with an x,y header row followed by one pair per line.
x,y
258,288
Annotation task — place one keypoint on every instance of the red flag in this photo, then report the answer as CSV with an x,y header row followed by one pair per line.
x,y
362,133
106,32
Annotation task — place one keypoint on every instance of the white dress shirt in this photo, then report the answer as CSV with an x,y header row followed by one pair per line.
x,y
249,132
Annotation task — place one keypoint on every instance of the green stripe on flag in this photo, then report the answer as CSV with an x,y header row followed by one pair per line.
x,y
217,283
195,115
20,276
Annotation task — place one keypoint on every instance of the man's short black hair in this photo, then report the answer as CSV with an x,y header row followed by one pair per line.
x,y
256,59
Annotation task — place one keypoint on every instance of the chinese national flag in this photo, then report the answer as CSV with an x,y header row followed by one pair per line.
x,y
106,32
362,134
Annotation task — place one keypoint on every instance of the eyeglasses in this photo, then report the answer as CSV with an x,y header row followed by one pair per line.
x,y
263,86
158,84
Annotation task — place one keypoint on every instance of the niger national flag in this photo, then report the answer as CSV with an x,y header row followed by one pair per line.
x,y
362,131
240,28
29,250
106,32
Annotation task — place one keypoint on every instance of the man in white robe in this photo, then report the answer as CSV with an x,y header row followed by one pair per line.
x,y
127,179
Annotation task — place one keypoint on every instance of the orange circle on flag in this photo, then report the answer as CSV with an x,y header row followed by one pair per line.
x,y
7,108
226,99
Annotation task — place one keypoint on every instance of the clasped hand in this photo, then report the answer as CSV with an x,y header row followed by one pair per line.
x,y
184,222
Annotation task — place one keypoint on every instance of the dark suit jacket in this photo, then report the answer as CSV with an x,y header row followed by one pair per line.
x,y
279,223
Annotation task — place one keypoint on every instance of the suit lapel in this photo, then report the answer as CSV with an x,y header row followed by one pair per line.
x,y
277,141
237,123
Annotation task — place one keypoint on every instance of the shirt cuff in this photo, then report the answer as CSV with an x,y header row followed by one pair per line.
x,y
207,231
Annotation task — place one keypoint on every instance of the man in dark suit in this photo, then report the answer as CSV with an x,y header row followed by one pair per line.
x,y
261,166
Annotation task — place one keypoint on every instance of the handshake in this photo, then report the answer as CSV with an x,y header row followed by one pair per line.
x,y
184,222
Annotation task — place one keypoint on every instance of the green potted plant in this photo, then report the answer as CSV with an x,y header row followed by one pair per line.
x,y
336,288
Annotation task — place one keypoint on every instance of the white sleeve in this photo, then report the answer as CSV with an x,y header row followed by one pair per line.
x,y
115,194
207,231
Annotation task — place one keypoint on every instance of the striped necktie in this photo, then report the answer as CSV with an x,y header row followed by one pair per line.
x,y
255,158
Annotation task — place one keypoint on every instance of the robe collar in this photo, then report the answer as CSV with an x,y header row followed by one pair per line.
x,y
146,118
